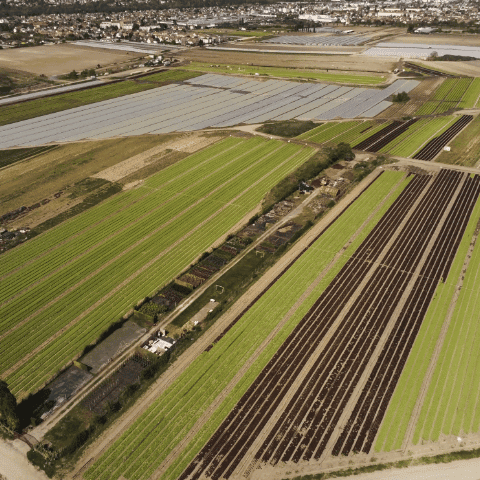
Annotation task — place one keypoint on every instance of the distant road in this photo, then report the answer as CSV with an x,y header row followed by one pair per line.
x,y
460,470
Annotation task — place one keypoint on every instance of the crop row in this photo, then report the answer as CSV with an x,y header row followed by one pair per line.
x,y
406,134
64,232
471,96
328,131
191,184
425,130
428,108
354,132
198,234
394,426
69,275
458,89
240,389
129,262
208,375
451,402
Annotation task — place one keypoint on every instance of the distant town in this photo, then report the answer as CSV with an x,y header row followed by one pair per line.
x,y
189,26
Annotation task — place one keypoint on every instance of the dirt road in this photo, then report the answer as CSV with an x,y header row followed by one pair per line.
x,y
461,470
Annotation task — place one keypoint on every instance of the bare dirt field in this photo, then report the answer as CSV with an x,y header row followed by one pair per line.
x,y
60,59
331,62
437,38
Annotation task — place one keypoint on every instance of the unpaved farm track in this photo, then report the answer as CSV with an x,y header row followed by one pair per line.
x,y
295,404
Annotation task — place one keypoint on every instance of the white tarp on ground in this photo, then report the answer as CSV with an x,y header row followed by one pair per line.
x,y
206,101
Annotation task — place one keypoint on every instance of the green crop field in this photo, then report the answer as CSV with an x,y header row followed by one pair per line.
x,y
452,93
57,103
471,96
60,290
287,73
165,423
328,131
450,404
410,141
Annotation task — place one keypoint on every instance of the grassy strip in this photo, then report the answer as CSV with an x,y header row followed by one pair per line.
x,y
240,33
175,412
394,426
9,157
44,106
287,73
456,379
228,404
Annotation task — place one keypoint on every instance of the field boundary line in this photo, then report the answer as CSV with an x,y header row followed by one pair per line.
x,y
127,250
144,267
93,225
244,369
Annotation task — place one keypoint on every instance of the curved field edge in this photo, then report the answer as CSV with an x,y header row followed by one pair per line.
x,y
175,412
392,432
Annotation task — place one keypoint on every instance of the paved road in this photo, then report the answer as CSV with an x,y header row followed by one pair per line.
x,y
460,470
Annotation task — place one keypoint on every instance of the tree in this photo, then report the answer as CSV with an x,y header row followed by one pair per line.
x,y
343,151
400,97
8,407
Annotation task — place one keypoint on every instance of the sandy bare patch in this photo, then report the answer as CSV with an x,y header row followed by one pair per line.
x,y
189,143
60,59
14,464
